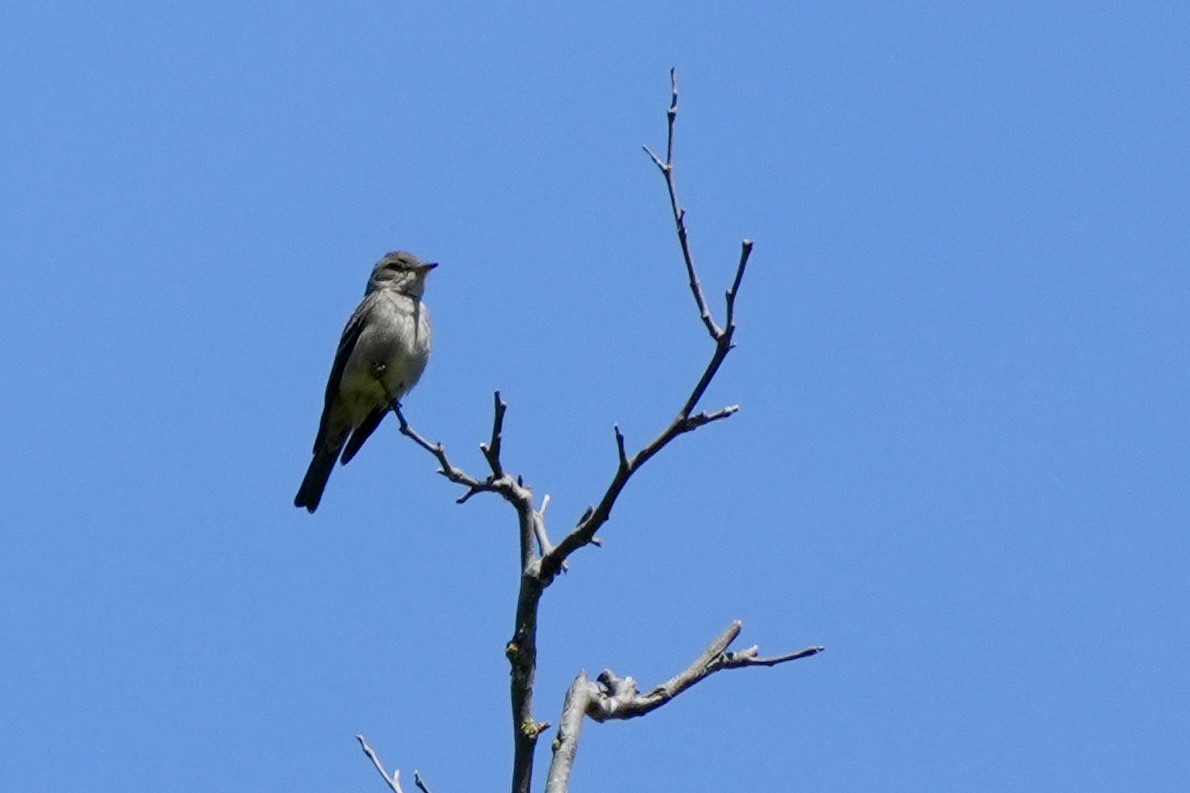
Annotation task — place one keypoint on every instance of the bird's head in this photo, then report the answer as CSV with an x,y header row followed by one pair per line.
x,y
401,271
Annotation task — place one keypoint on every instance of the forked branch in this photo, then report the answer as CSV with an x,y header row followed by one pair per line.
x,y
521,650
393,781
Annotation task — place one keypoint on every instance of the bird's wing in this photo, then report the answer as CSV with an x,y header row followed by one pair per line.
x,y
363,431
351,334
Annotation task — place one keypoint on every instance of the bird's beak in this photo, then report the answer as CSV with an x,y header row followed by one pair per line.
x,y
425,268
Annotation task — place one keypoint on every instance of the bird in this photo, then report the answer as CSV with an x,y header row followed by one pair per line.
x,y
381,356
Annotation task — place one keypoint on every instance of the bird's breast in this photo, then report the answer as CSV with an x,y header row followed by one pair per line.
x,y
389,356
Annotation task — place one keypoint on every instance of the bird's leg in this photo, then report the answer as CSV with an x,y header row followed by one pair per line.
x,y
394,403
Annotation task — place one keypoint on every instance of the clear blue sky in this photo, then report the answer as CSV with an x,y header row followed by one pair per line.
x,y
961,460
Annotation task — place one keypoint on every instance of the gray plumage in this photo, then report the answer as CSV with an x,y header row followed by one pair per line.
x,y
381,355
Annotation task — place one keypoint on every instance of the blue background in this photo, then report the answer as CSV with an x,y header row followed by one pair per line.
x,y
960,463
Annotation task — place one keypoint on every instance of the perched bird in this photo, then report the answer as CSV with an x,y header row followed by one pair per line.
x,y
381,355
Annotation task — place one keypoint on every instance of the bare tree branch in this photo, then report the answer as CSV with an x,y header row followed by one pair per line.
x,y
565,746
617,698
686,421
394,781
497,482
541,561
456,475
613,697
521,650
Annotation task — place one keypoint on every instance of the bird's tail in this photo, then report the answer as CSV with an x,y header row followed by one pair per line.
x,y
310,493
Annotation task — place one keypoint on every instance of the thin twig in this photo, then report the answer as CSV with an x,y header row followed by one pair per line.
x,y
722,348
679,214
544,545
620,447
749,658
456,475
491,450
745,252
394,781
584,532
421,785
671,114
